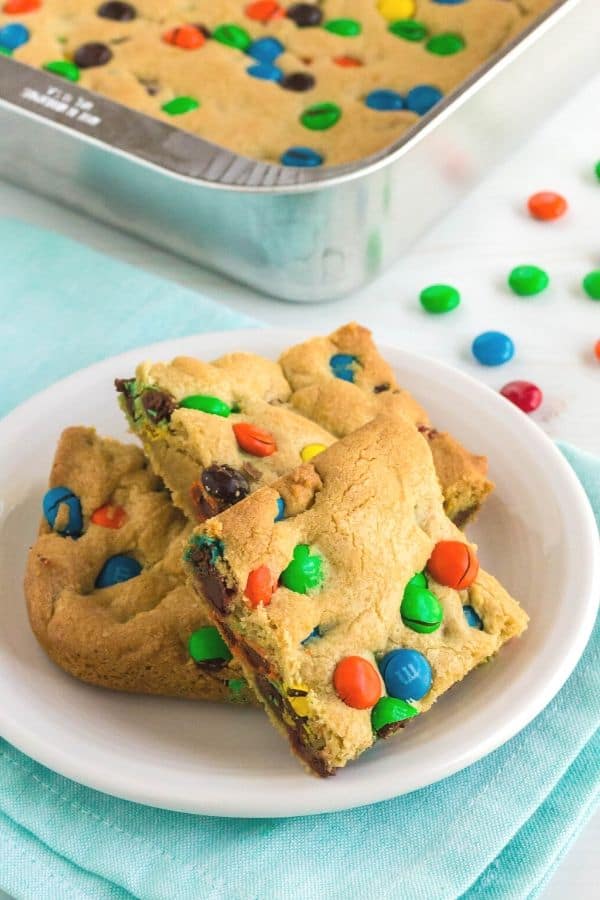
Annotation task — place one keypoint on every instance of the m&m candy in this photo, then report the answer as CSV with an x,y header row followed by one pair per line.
x,y
439,298
208,649
597,350
344,27
397,9
388,711
422,98
445,44
265,71
266,49
13,35
259,587
304,572
493,348
186,37
305,15
421,610
343,366
254,440
264,11
109,516
591,285
407,674
232,36
471,617
321,116
384,100
526,281
409,29
453,564
280,510
347,62
206,404
547,205
315,633
357,682
62,510
178,106
310,451
117,569
64,68
303,157
14,7
524,394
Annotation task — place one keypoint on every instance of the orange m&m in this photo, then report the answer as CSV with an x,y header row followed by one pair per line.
x,y
14,7
357,682
187,37
264,10
547,205
597,349
259,587
453,564
109,516
254,440
347,62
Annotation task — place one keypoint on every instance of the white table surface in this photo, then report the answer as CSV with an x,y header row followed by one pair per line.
x,y
474,248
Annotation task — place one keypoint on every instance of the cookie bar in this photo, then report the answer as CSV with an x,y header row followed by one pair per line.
x,y
105,588
356,611
300,84
342,382
214,432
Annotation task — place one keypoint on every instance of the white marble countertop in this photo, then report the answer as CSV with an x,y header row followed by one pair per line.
x,y
474,248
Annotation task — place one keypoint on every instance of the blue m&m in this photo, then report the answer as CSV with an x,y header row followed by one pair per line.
x,y
265,71
62,504
280,510
385,100
303,157
406,673
471,617
13,35
117,569
265,50
422,98
493,348
342,365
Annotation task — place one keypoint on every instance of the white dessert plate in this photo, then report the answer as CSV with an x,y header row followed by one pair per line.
x,y
536,533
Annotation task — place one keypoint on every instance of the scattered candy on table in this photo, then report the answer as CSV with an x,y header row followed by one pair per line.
x,y
439,298
547,206
493,348
453,564
357,682
526,281
591,284
117,569
524,394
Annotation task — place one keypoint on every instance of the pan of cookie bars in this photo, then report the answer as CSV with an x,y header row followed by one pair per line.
x,y
298,233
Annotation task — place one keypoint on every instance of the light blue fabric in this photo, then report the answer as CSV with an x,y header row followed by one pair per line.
x,y
495,830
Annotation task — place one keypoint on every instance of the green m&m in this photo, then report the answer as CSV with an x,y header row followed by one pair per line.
x,y
208,649
204,403
238,689
420,609
232,36
409,29
439,298
321,116
344,27
526,281
419,580
5,51
445,44
64,68
390,710
180,105
304,572
591,285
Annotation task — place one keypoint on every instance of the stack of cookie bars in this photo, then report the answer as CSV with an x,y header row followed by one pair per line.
x,y
289,536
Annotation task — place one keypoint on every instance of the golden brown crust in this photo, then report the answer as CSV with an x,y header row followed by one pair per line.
x,y
132,636
370,507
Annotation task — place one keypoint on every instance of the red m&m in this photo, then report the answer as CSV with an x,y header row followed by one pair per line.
x,y
357,682
453,564
524,394
547,205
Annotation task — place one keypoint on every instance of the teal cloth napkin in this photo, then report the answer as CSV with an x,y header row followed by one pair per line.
x,y
497,829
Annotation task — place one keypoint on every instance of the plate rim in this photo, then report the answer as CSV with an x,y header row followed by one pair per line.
x,y
28,741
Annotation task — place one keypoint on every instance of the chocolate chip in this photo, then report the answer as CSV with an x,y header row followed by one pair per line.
x,y
119,12
258,662
462,516
210,580
391,728
298,81
212,665
225,483
126,386
152,87
251,472
158,405
203,29
206,506
305,15
93,54
380,388
270,693
427,431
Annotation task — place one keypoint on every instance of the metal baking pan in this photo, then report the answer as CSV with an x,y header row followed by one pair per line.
x,y
299,234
